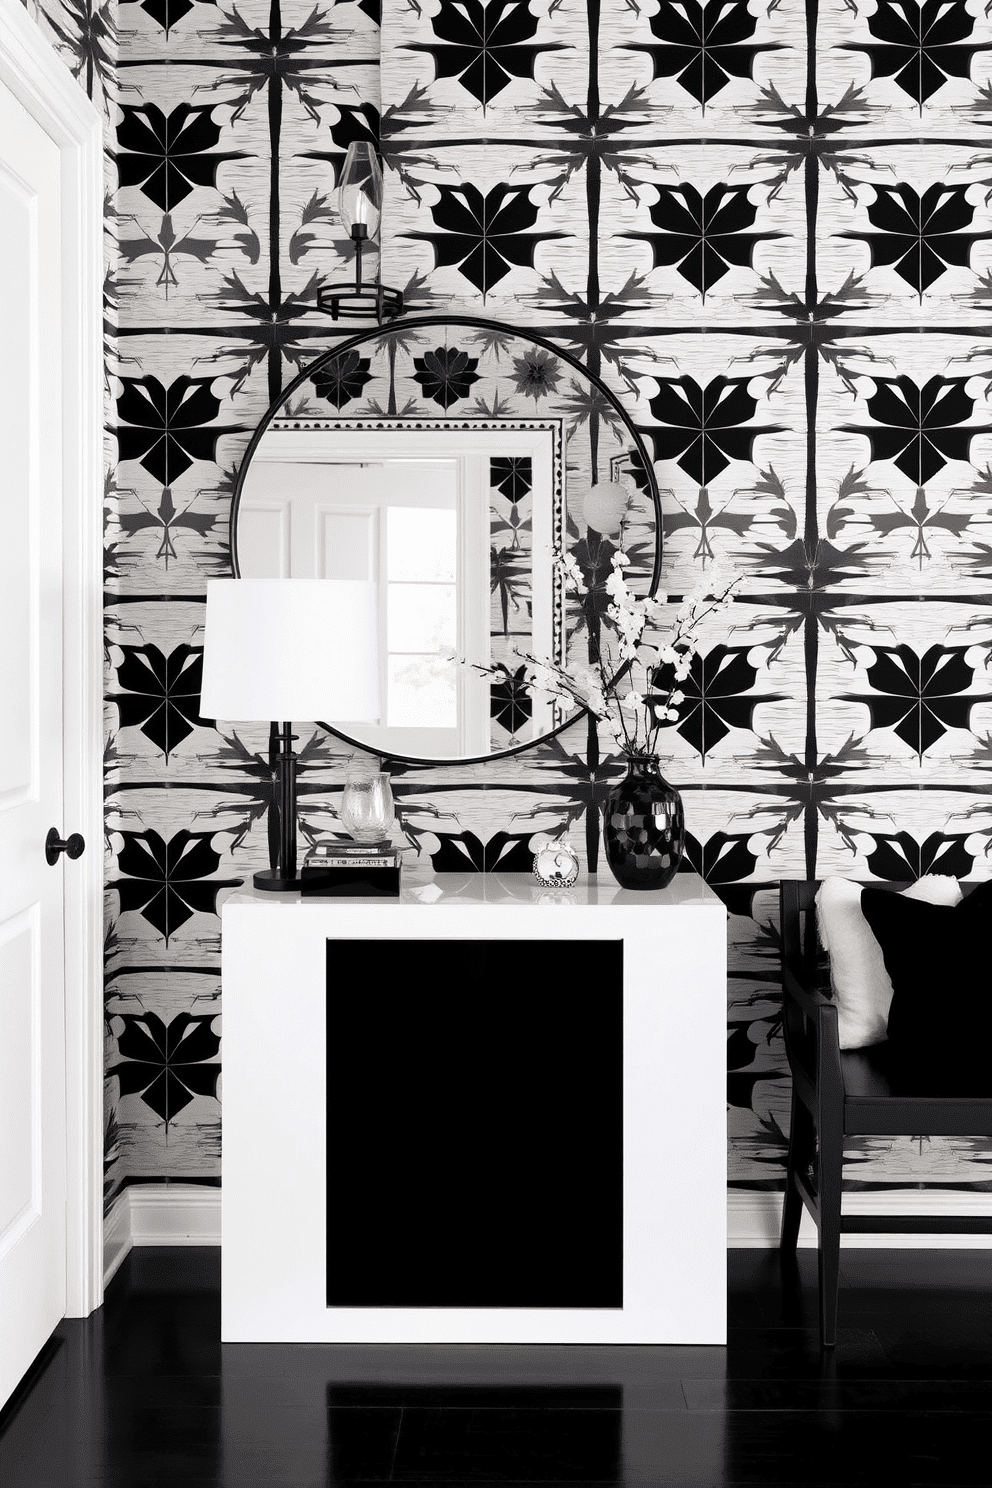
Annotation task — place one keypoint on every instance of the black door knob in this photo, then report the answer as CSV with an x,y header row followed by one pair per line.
x,y
73,846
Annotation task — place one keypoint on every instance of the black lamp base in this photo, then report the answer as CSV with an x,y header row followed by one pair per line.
x,y
271,882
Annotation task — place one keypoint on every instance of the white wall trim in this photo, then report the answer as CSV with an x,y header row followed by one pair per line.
x,y
185,1214
174,1214
35,75
117,1240
160,1214
753,1219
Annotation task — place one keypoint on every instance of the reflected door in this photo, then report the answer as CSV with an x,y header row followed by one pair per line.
x,y
32,1048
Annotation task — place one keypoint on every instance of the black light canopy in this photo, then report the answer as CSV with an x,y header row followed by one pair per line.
x,y
360,209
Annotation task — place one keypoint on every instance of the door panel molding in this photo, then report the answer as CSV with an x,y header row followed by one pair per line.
x,y
34,74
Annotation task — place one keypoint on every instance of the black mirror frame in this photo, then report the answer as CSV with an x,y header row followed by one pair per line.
x,y
472,322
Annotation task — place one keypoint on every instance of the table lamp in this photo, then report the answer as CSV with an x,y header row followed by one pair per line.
x,y
277,649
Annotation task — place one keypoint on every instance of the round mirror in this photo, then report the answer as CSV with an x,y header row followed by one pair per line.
x,y
453,461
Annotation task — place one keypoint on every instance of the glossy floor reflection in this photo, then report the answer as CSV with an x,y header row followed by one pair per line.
x,y
144,1394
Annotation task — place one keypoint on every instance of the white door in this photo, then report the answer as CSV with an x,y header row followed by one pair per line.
x,y
32,1017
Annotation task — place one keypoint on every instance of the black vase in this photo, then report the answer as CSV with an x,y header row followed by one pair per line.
x,y
644,829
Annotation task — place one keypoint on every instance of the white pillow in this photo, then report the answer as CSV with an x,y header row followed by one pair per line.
x,y
862,990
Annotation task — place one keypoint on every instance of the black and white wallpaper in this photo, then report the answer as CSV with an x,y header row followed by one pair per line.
x,y
768,225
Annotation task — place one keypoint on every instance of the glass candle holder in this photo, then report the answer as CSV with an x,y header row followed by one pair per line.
x,y
367,809
556,865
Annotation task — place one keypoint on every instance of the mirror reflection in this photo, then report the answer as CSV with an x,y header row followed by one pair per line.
x,y
453,462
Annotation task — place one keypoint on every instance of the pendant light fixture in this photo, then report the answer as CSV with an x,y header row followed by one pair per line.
x,y
360,210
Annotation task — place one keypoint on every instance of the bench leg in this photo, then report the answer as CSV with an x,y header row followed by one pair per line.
x,y
831,1160
800,1152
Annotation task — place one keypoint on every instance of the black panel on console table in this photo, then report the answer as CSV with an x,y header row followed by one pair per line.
x,y
474,1123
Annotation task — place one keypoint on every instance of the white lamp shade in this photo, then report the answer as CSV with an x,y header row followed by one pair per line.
x,y
284,649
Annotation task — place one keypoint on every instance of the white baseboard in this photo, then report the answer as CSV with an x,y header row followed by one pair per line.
x,y
116,1235
753,1219
184,1214
174,1214
160,1214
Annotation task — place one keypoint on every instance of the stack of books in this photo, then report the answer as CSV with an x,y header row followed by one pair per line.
x,y
338,868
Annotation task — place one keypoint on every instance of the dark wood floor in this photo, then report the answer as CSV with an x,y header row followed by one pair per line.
x,y
144,1394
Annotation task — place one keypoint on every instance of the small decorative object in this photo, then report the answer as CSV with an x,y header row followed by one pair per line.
x,y
335,869
644,827
367,805
556,865
360,210
602,507
632,686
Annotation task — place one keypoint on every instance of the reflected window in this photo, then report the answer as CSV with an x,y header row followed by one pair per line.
x,y
421,617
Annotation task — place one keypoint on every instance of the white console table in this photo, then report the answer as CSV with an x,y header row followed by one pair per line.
x,y
482,1112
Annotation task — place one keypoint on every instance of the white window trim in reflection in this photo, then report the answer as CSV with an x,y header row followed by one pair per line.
x,y
469,445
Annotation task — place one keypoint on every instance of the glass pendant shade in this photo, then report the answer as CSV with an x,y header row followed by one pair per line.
x,y
360,190
360,210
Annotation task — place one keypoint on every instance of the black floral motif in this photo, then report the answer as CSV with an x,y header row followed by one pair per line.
x,y
167,432
446,374
233,212
165,13
88,31
165,878
918,428
169,519
318,209
512,476
920,235
742,1075
705,434
509,574
464,852
163,693
536,374
342,378
167,155
165,243
920,44
484,43
703,234
485,235
920,519
510,702
899,855
164,1063
919,697
723,860
715,696
355,122
703,45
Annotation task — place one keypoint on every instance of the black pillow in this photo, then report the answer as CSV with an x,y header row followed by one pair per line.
x,y
939,961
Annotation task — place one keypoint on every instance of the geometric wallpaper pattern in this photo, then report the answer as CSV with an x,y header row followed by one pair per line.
x,y
768,226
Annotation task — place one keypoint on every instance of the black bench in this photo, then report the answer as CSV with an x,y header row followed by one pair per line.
x,y
838,1094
